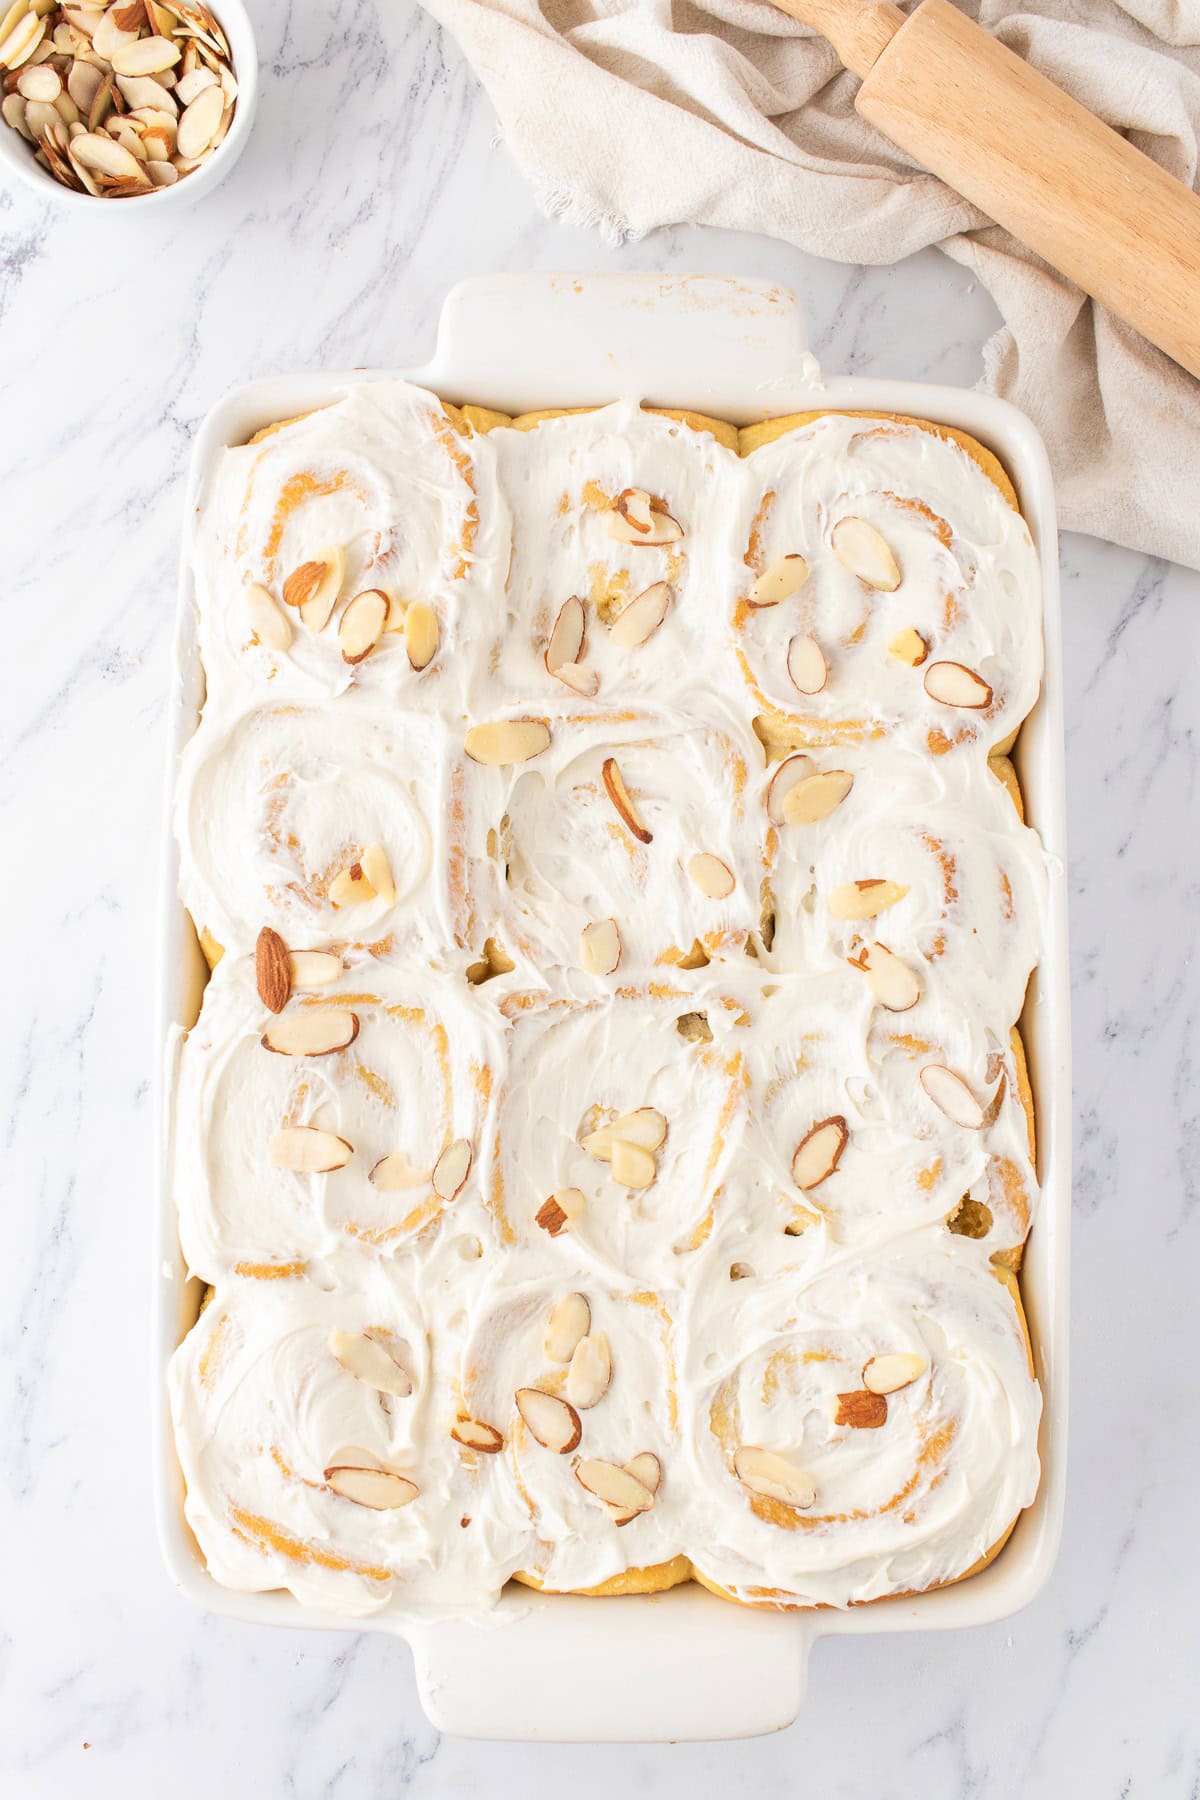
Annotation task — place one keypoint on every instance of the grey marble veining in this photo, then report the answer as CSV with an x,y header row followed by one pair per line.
x,y
371,183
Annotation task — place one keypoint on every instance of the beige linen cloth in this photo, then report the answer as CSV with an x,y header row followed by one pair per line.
x,y
631,114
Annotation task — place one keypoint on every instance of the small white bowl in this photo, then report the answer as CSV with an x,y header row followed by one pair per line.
x,y
16,152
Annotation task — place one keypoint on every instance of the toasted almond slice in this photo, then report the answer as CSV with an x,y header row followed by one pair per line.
x,y
590,1371
451,1169
646,1468
272,970
908,646
865,899
312,1031
394,1174
307,1150
580,679
862,1409
713,877
889,1373
147,56
38,81
955,685
96,151
421,635
632,1166
565,645
618,793
561,1209
892,982
500,742
950,1093
806,666
600,947
637,517
351,887
568,1322
779,581
378,871
361,624
789,772
614,1485
819,1151
314,968
364,1357
645,1127
553,1422
643,616
767,1473
866,553
814,797
476,1435
383,1490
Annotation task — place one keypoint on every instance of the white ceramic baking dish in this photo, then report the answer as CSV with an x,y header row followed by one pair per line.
x,y
682,1664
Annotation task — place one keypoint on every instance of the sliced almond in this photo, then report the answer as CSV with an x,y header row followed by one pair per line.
x,y
565,645
314,968
553,1422
779,581
421,634
361,624
792,770
600,947
272,970
590,1371
814,797
632,1166
646,1468
312,1031
806,666
713,877
865,899
383,1490
378,871
614,1485
22,40
819,1151
350,887
12,110
580,679
193,83
562,1208
569,1321
889,1373
108,37
97,151
83,83
38,81
773,1476
618,793
645,1127
138,90
306,1150
394,1174
908,646
637,517
891,981
862,1409
642,617
866,553
950,1093
364,1357
451,1169
955,685
500,742
476,1435
147,56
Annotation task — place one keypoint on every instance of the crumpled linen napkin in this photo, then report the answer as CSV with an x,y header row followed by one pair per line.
x,y
632,114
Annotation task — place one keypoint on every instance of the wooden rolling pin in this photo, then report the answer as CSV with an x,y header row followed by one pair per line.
x,y
1029,156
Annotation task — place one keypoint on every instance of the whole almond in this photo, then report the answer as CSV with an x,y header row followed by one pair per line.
x,y
272,970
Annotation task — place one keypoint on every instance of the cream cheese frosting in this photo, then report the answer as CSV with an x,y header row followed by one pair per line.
x,y
731,1299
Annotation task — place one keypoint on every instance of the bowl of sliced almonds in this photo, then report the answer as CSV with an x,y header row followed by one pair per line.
x,y
142,101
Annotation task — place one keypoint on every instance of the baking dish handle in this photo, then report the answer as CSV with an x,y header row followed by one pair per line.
x,y
519,342
572,1670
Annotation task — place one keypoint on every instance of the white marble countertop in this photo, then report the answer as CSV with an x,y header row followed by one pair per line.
x,y
371,183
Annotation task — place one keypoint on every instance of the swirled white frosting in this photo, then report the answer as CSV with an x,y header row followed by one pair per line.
x,y
736,1306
